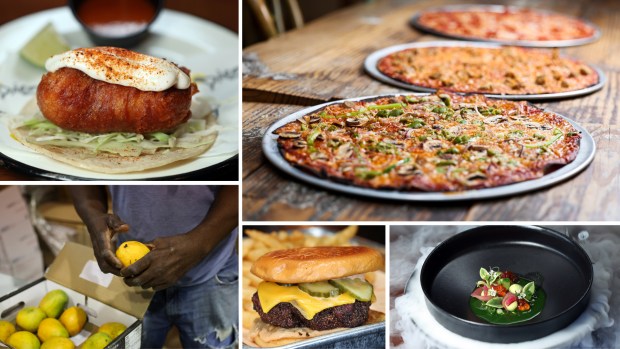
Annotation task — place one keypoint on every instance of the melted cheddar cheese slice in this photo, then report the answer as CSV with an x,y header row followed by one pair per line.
x,y
270,294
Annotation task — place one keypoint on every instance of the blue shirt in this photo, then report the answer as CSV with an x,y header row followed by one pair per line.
x,y
154,211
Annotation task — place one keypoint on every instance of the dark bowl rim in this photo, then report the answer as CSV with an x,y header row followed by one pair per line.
x,y
541,229
73,7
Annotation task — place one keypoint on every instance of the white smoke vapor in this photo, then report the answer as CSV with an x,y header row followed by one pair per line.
x,y
598,328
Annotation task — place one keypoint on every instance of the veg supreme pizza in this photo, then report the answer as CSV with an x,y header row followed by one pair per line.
x,y
441,142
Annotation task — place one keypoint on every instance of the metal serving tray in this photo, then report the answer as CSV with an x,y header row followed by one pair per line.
x,y
586,153
414,21
370,64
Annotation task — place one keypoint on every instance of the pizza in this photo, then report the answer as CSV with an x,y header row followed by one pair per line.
x,y
490,70
509,24
440,142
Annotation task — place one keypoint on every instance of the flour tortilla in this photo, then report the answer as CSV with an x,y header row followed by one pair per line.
x,y
103,162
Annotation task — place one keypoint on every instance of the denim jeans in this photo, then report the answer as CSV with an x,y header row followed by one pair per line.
x,y
205,314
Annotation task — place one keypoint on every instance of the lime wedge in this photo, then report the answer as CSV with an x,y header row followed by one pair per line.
x,y
42,46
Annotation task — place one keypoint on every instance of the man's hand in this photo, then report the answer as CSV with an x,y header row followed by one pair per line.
x,y
91,203
103,231
170,258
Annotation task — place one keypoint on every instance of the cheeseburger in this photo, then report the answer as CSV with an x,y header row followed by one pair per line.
x,y
112,110
315,287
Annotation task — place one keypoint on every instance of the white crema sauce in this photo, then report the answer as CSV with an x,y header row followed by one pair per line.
x,y
122,67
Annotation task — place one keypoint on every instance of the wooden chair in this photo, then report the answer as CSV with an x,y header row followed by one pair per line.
x,y
273,24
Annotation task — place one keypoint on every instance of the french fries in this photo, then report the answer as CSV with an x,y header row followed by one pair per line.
x,y
259,243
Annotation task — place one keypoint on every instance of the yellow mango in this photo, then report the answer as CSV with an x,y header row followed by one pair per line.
x,y
6,329
29,318
50,328
58,343
53,303
113,329
23,340
73,319
97,341
130,252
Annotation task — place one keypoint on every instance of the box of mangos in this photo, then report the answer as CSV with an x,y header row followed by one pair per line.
x,y
74,305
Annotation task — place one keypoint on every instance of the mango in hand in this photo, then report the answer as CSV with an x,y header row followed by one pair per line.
x,y
130,252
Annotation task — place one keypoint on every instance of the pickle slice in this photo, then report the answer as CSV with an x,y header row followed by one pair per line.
x,y
319,289
358,288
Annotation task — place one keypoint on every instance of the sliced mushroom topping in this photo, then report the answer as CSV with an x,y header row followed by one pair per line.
x,y
303,120
320,137
532,125
346,167
349,104
495,119
476,176
455,130
407,170
432,145
314,119
356,122
474,179
437,127
289,134
477,147
344,151
318,156
300,143
395,142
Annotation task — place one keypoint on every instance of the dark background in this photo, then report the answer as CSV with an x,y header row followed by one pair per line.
x,y
375,233
222,12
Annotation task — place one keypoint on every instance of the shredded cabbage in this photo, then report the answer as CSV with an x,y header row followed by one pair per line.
x,y
193,133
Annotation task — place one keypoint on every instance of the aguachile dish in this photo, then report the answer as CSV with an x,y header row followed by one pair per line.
x,y
503,297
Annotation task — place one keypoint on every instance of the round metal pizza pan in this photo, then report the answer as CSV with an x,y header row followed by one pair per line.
x,y
414,21
370,64
585,156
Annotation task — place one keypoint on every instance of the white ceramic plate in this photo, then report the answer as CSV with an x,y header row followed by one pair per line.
x,y
414,21
587,149
370,64
202,46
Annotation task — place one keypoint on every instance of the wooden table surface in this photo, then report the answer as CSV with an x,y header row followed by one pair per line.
x,y
224,13
323,62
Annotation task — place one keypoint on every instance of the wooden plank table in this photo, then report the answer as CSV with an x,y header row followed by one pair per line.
x,y
323,62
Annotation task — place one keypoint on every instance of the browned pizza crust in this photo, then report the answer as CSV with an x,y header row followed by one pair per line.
x,y
442,142
499,70
508,25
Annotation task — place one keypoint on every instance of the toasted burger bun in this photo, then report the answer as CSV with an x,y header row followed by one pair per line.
x,y
311,264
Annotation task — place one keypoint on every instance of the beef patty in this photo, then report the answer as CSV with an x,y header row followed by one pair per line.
x,y
287,316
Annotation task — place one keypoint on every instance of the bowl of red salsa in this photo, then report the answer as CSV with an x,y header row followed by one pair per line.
x,y
120,23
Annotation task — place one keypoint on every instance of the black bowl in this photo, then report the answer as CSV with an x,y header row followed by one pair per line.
x,y
450,272
125,41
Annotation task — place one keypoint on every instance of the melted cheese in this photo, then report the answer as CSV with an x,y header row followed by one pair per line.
x,y
270,294
122,67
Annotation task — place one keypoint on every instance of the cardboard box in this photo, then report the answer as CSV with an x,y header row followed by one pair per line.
x,y
104,297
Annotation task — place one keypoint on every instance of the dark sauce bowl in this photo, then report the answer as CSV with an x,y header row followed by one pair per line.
x,y
450,272
125,41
